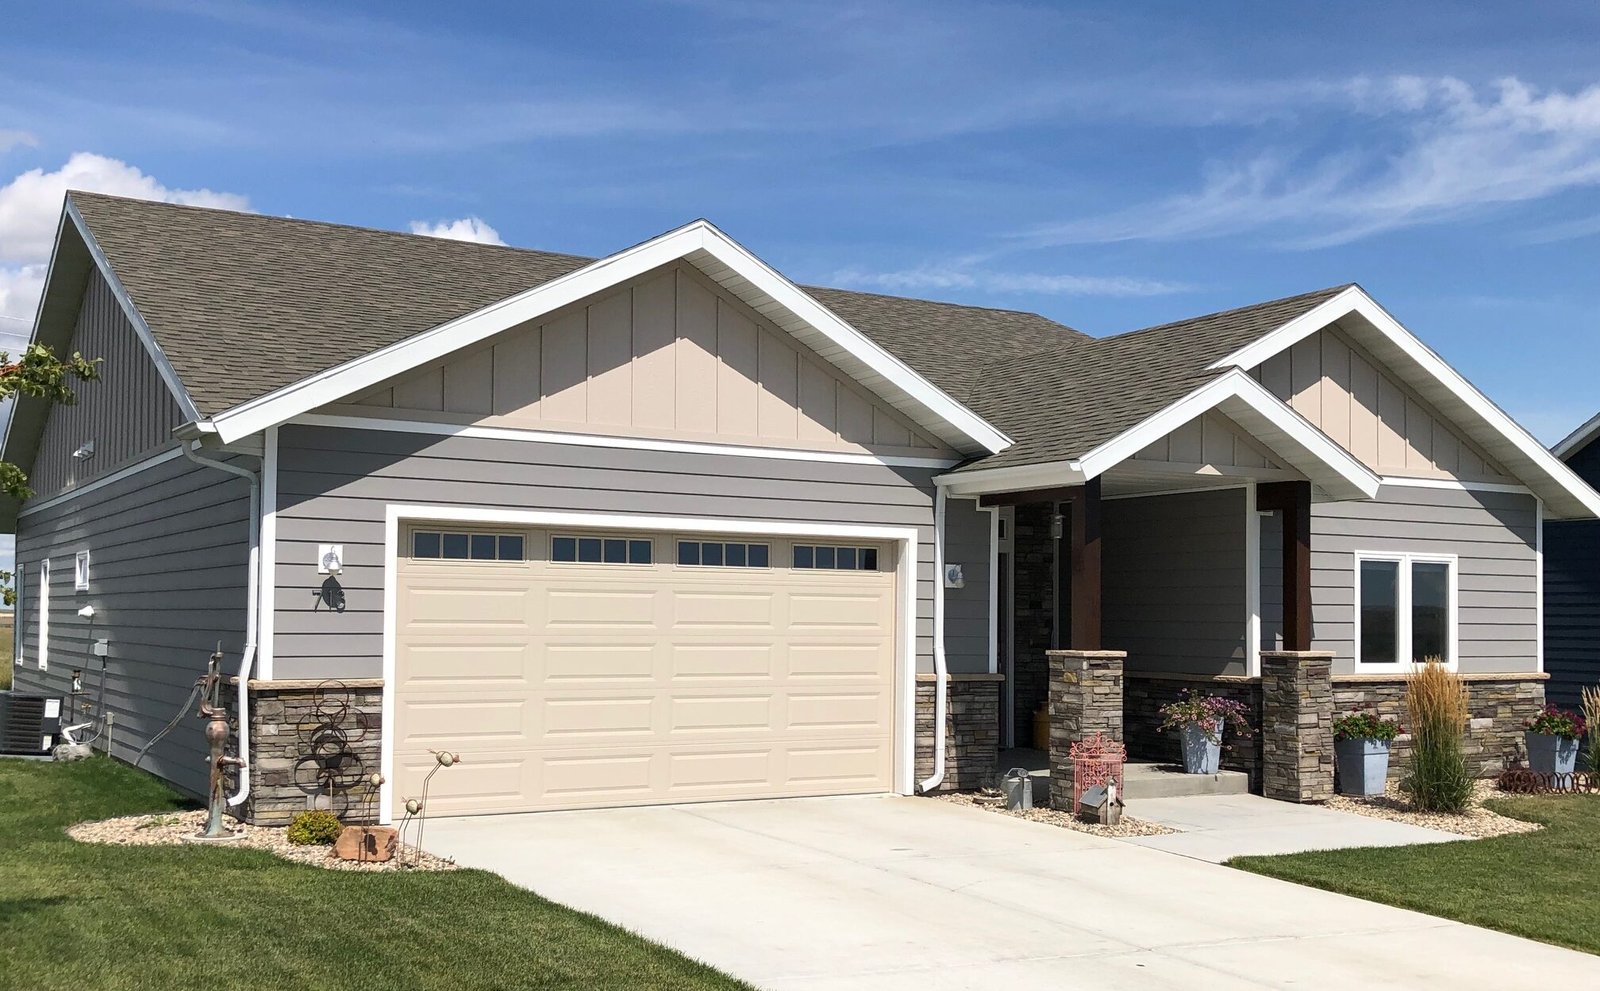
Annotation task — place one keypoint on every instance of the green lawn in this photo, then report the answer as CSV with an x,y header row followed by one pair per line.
x,y
1543,885
81,917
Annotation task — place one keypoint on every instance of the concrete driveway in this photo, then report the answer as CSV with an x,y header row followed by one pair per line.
x,y
887,893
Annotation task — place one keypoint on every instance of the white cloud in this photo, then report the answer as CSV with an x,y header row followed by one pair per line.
x,y
11,138
1426,150
1019,283
465,229
30,205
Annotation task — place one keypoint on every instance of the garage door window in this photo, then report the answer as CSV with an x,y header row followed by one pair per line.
x,y
824,557
601,550
438,545
720,554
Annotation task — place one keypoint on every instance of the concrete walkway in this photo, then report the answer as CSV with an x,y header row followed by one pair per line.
x,y
1220,827
887,893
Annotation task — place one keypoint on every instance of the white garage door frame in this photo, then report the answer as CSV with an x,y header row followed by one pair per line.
x,y
397,514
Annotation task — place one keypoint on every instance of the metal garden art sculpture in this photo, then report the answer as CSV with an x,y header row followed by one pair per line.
x,y
417,808
209,688
331,768
1096,763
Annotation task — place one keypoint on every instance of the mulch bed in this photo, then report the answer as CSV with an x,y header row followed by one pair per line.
x,y
1129,826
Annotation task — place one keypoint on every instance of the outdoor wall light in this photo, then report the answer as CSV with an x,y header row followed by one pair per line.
x,y
85,451
330,559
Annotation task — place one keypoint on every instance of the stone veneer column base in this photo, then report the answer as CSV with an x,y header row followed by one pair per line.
x,y
1085,699
1297,725
1500,704
297,727
972,729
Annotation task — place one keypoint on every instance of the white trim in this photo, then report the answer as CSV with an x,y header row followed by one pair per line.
x,y
941,674
604,440
697,241
994,587
266,619
906,590
1580,501
1403,609
80,571
104,480
1014,478
1538,582
1578,438
1252,583
168,374
44,613
18,604
1454,485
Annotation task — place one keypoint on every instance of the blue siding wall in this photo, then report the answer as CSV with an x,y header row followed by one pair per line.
x,y
1572,594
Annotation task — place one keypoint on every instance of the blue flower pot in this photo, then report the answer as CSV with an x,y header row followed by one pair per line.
x,y
1201,754
1551,754
1363,766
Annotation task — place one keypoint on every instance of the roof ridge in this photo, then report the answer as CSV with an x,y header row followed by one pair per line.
x,y
1332,290
943,302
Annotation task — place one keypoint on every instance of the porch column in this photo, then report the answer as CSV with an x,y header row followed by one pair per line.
x,y
1293,499
1085,699
1297,725
1085,563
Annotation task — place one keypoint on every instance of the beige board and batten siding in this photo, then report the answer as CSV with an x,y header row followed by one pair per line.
x,y
1361,405
168,573
128,412
581,685
668,356
334,484
1211,439
1173,581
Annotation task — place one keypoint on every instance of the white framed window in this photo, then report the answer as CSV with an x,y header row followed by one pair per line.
x,y
44,614
16,616
80,572
1406,609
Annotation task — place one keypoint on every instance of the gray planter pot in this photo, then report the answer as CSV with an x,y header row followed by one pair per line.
x,y
1200,754
1551,754
1363,766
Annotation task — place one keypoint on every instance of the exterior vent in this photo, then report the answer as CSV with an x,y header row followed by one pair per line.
x,y
29,724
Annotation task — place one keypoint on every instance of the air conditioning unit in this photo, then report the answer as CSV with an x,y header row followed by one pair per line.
x,y
29,724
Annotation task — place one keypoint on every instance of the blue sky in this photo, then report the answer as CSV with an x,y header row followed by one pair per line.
x,y
1110,166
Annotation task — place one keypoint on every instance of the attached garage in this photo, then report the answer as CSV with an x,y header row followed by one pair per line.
x,y
578,668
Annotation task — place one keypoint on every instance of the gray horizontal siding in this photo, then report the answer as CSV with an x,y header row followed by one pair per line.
x,y
966,609
128,412
1572,595
334,483
1173,581
168,569
1493,535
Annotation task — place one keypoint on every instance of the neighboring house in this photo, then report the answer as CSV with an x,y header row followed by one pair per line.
x,y
1572,582
665,527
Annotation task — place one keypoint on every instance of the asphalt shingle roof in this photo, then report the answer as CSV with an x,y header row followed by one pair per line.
x,y
245,304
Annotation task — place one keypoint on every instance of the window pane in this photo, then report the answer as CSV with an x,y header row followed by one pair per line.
x,y
564,549
758,555
616,551
455,546
483,546
424,544
589,550
639,552
711,554
803,556
733,555
1430,611
1380,597
825,557
869,559
846,560
511,547
688,552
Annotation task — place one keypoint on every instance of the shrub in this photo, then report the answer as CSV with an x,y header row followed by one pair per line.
x,y
1209,711
1591,715
1366,726
1556,721
315,827
1436,706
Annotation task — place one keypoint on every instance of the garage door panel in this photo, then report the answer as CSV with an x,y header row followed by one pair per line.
x,y
624,685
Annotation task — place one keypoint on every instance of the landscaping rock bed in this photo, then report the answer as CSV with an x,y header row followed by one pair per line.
x,y
1477,822
1129,826
176,828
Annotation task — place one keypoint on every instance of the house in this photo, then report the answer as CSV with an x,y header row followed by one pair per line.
x,y
666,527
1572,582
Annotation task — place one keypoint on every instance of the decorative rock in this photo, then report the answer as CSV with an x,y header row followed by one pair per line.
x,y
367,844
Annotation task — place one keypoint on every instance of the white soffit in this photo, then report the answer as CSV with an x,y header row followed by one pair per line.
x,y
1370,325
702,245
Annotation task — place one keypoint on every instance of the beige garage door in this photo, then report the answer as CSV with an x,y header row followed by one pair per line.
x,y
577,669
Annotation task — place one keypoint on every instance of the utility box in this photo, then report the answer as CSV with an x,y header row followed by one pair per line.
x,y
29,724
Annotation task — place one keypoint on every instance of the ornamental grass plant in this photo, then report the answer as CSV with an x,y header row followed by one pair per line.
x,y
1591,718
1438,712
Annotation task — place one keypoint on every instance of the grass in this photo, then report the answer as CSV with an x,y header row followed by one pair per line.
x,y
84,917
1543,885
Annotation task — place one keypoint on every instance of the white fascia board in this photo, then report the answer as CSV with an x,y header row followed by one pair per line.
x,y
699,237
1015,478
1559,484
168,374
1578,438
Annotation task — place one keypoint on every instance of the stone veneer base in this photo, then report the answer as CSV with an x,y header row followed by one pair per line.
x,y
1144,693
1500,705
298,728
972,729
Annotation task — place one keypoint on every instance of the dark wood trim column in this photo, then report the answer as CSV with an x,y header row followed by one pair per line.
x,y
1085,560
1293,499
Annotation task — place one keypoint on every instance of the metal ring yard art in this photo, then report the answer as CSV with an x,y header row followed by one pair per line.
x,y
1524,781
330,765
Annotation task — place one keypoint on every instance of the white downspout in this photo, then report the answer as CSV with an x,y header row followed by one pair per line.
x,y
940,690
252,610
